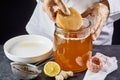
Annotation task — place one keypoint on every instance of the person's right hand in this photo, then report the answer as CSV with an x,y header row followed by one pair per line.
x,y
52,6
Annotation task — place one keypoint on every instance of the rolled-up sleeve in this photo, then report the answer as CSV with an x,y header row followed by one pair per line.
x,y
114,7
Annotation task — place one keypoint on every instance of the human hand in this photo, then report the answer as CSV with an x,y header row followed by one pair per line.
x,y
99,13
52,6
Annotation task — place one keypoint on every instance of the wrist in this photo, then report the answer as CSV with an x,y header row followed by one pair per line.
x,y
105,2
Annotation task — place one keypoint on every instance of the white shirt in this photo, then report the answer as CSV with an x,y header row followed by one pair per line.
x,y
41,24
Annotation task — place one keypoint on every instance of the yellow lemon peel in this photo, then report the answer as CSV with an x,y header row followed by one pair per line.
x,y
51,69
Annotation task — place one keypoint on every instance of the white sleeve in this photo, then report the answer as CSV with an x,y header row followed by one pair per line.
x,y
38,1
33,22
40,23
114,9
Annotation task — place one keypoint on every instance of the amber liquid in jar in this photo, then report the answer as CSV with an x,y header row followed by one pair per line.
x,y
72,49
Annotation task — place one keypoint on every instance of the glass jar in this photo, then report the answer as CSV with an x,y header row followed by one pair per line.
x,y
72,49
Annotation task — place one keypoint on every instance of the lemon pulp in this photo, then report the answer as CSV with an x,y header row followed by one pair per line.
x,y
51,69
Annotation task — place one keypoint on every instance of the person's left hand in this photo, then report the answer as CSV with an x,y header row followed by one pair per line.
x,y
99,12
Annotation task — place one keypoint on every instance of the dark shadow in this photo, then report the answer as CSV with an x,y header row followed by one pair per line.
x,y
116,35
14,15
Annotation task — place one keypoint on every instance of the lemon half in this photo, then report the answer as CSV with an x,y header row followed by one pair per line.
x,y
51,69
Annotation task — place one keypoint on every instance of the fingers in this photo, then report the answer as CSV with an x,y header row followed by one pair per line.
x,y
101,16
50,8
96,28
96,34
62,6
50,12
96,22
87,12
99,29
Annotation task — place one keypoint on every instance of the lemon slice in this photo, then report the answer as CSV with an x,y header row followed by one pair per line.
x,y
69,22
51,69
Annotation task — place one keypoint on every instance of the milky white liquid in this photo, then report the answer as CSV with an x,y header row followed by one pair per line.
x,y
28,48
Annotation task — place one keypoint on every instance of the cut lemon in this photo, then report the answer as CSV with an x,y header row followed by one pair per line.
x,y
69,22
51,69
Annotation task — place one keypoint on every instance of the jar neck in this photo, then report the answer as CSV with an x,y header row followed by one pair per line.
x,y
83,33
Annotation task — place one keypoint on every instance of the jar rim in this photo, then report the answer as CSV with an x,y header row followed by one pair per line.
x,y
83,33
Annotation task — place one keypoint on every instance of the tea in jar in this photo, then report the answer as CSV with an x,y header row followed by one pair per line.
x,y
72,49
72,41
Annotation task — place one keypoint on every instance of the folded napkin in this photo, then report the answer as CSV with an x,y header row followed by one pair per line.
x,y
108,66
